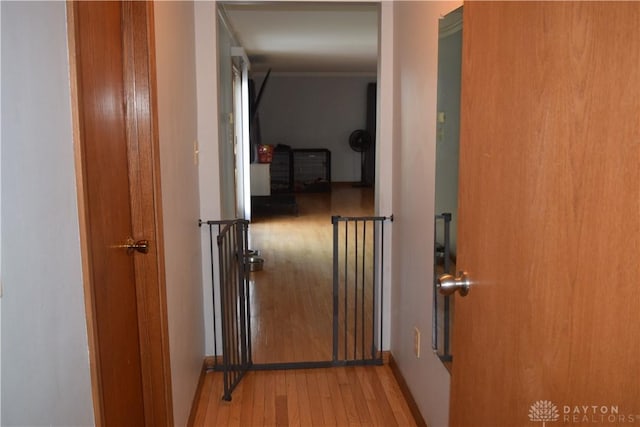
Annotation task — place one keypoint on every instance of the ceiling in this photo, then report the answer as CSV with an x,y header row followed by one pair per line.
x,y
295,37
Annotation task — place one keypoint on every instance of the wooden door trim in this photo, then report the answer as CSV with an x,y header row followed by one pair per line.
x,y
144,163
89,296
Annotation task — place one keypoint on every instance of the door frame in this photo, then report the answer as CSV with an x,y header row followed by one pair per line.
x,y
142,128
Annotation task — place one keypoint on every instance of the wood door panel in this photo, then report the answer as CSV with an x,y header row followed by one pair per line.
x,y
109,209
549,203
113,69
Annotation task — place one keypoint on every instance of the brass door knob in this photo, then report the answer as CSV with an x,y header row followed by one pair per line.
x,y
131,245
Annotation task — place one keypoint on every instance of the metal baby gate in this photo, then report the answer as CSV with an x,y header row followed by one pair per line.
x,y
358,296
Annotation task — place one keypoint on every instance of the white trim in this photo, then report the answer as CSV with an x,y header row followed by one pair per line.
x,y
238,51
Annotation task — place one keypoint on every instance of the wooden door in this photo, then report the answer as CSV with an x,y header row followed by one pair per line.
x,y
549,225
111,47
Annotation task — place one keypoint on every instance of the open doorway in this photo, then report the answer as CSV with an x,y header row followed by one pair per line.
x,y
307,115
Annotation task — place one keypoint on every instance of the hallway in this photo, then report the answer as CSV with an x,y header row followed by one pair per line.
x,y
291,299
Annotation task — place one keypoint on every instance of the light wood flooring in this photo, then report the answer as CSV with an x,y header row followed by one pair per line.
x,y
291,322
291,298
349,396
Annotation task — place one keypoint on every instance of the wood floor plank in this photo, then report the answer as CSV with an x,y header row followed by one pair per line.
x,y
222,418
358,397
399,405
386,415
339,410
315,401
215,400
304,398
234,410
304,403
257,418
269,399
246,408
203,402
325,397
349,404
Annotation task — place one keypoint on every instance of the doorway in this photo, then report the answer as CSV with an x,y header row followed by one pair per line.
x,y
114,113
287,241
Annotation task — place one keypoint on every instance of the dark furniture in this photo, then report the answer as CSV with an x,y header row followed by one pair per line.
x,y
312,170
300,170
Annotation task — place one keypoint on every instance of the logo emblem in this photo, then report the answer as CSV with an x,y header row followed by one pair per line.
x,y
543,411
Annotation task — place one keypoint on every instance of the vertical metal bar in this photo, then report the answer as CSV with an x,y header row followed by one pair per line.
x,y
355,294
233,250
346,286
336,287
364,252
230,308
248,294
230,316
240,284
447,268
233,321
434,316
236,300
374,278
225,356
213,298
447,243
380,345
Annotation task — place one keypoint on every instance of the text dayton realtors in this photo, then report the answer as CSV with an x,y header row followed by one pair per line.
x,y
596,414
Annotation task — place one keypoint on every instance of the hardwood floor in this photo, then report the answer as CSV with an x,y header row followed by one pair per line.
x,y
346,396
291,298
291,321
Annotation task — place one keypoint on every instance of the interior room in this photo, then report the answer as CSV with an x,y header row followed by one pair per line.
x,y
309,115
118,144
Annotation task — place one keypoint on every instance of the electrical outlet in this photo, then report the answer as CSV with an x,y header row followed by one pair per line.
x,y
416,341
196,152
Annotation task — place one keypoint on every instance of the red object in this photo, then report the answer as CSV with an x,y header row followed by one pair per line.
x,y
265,153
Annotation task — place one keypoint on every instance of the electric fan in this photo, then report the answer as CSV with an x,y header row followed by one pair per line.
x,y
360,142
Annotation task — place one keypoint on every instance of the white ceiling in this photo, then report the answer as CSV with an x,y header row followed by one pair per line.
x,y
311,37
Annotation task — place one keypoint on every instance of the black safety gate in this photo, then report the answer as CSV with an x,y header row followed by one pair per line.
x,y
235,312
358,289
358,296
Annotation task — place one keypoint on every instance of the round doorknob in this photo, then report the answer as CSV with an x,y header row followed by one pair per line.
x,y
448,284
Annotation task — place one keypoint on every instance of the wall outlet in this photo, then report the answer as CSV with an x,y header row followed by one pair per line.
x,y
416,341
196,152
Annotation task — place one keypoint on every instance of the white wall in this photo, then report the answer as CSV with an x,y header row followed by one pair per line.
x,y
384,147
0,244
224,97
316,111
45,359
177,126
415,90
206,29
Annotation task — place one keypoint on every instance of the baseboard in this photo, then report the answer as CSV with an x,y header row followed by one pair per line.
x,y
413,406
207,366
